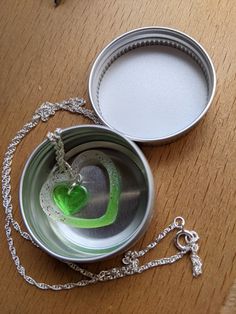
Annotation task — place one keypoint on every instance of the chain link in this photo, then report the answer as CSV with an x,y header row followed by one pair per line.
x,y
131,259
63,165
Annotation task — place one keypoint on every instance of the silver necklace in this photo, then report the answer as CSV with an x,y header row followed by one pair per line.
x,y
131,260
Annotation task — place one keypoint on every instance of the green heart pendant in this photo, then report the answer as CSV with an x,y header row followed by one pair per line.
x,y
70,199
60,199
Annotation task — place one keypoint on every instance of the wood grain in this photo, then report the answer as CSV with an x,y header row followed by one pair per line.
x,y
46,54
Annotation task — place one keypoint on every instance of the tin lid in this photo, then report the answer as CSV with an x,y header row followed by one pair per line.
x,y
152,84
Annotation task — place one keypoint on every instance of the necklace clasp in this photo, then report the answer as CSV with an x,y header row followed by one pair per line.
x,y
190,238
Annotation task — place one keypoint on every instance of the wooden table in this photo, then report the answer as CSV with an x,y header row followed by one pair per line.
x,y
46,54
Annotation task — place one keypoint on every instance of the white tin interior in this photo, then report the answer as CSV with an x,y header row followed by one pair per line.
x,y
152,84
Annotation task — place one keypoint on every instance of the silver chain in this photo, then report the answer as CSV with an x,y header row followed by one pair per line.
x,y
63,165
131,263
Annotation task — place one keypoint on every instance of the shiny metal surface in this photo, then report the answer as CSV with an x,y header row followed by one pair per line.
x,y
135,210
174,91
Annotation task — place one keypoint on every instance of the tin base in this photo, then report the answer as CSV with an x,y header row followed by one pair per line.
x,y
135,208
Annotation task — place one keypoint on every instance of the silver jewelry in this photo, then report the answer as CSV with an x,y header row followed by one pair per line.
x,y
131,260
63,165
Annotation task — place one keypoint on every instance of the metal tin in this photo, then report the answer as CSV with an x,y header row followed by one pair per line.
x,y
135,210
152,84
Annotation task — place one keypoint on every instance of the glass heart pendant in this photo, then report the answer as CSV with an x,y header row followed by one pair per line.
x,y
70,198
64,201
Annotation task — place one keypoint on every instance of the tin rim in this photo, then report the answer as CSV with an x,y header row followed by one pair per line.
x,y
134,236
189,45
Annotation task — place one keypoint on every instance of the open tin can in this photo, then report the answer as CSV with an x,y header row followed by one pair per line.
x,y
135,206
149,85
